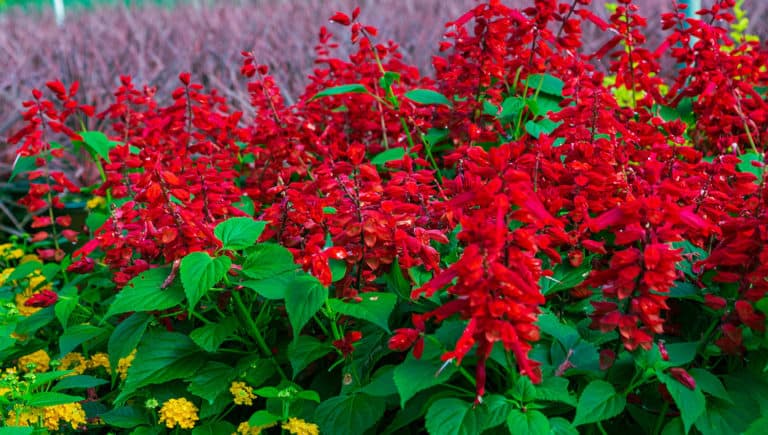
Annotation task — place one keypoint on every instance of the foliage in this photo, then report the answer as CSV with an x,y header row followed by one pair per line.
x,y
505,246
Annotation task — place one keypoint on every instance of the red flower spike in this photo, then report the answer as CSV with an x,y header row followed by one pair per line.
x,y
44,298
341,18
682,376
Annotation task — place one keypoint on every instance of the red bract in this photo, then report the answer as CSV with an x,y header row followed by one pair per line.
x,y
45,298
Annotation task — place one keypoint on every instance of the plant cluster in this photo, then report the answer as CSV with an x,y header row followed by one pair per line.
x,y
519,243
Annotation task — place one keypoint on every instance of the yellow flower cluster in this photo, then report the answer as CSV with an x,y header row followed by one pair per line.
x,y
99,360
298,426
123,364
74,361
5,274
246,429
242,393
179,412
35,283
9,252
40,359
50,416
95,202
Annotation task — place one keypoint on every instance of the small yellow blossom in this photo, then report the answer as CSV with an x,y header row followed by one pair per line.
x,y
71,413
298,426
245,429
21,299
74,361
99,360
26,417
40,359
19,337
242,393
5,274
8,252
36,283
123,364
179,412
30,257
95,202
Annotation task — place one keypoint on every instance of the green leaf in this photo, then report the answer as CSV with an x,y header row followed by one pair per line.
x,y
199,272
598,402
144,293
510,108
338,269
523,390
274,287
22,166
35,322
262,418
97,144
68,300
414,375
161,357
388,79
76,335
545,83
95,220
382,384
23,270
308,395
349,415
126,337
691,403
126,417
561,426
674,427
246,205
48,398
542,126
389,155
21,430
555,389
493,411
374,307
746,165
210,336
213,379
453,417
757,427
78,382
565,277
355,88
303,350
239,232
531,422
267,392
268,259
304,296
214,428
710,384
427,96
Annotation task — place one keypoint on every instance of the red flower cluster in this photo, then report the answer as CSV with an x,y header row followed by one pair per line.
x,y
529,159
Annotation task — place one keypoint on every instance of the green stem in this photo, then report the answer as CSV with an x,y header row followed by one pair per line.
x,y
254,332
660,418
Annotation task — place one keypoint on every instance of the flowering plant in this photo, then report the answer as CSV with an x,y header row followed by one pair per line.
x,y
518,243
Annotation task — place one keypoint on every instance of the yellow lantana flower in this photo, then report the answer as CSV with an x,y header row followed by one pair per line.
x,y
40,359
242,393
178,412
123,364
74,361
298,426
246,429
99,360
71,413
95,202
